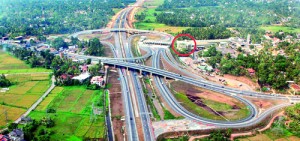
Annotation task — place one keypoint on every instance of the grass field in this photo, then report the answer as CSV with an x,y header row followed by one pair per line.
x,y
10,65
159,27
73,107
217,106
153,3
26,90
280,28
149,23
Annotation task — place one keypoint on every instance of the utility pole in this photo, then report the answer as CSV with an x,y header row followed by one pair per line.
x,y
6,117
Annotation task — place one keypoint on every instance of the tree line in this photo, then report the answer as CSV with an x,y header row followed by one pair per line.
x,y
208,33
228,13
35,17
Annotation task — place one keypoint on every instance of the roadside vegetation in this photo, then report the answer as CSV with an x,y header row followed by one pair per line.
x,y
284,128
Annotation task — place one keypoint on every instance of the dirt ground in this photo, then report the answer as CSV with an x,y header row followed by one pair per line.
x,y
263,103
116,104
264,137
203,93
108,52
139,128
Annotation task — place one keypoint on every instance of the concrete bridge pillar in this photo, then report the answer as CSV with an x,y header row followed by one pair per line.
x,y
151,74
127,69
141,72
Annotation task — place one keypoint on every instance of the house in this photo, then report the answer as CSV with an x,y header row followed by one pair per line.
x,y
205,68
4,38
16,135
187,60
98,80
251,71
83,76
217,71
4,137
25,120
19,38
275,41
223,44
295,88
84,68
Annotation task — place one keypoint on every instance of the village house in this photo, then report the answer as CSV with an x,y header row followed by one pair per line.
x,y
83,76
187,60
98,80
4,137
251,71
295,88
16,135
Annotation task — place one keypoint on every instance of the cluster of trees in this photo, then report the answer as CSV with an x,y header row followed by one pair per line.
x,y
31,129
187,3
294,116
95,48
59,43
33,58
272,70
35,17
207,33
4,82
228,13
31,133
219,136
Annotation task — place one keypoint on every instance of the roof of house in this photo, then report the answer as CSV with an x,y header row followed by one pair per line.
x,y
84,68
97,78
82,76
295,86
250,70
16,133
4,137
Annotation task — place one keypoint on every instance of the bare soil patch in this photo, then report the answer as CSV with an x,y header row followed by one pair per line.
x,y
265,103
212,102
116,104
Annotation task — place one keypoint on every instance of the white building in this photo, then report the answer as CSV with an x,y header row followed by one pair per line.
x,y
98,80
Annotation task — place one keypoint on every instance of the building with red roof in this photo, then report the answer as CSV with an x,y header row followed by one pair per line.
x,y
251,71
295,88
4,138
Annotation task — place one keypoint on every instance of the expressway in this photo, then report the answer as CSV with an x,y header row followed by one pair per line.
x,y
131,128
125,61
122,45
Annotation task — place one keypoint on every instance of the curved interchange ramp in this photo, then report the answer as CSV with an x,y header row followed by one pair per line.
x,y
253,119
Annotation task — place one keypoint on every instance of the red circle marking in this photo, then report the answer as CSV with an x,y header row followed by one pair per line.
x,y
187,54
